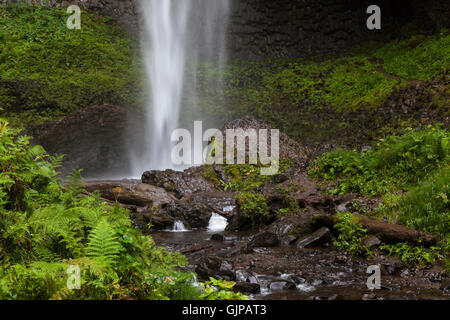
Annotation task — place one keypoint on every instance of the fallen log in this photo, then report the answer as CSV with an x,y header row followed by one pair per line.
x,y
130,192
386,232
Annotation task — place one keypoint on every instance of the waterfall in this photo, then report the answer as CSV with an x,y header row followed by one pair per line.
x,y
176,36
217,223
178,226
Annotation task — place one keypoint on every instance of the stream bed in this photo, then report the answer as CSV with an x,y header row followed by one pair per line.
x,y
286,273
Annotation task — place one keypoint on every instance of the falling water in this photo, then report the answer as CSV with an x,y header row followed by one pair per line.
x,y
178,226
217,223
176,35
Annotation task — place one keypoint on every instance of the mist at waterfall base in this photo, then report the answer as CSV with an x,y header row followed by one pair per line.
x,y
176,36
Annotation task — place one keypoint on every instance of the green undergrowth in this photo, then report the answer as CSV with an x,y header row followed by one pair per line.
x,y
305,97
53,234
392,164
351,235
411,173
419,58
47,70
254,208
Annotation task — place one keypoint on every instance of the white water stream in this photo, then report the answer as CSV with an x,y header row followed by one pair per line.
x,y
177,35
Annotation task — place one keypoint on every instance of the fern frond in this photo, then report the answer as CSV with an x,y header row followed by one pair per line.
x,y
103,244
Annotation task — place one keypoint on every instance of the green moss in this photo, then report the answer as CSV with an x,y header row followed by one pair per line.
x,y
45,67
309,99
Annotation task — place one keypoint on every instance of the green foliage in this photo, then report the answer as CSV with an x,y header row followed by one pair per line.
x,y
308,98
392,164
412,173
243,177
221,290
413,254
356,83
425,207
419,57
254,207
45,228
103,245
351,234
57,70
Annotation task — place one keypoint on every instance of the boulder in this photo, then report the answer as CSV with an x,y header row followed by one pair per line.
x,y
317,238
213,266
196,214
263,240
182,183
371,242
247,287
288,148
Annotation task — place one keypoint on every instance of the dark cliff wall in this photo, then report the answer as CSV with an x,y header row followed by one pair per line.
x,y
293,28
267,28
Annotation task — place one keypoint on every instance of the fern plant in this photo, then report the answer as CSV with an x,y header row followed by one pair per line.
x,y
103,244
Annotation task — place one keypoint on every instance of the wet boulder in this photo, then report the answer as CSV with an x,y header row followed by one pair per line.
x,y
317,238
213,266
223,203
141,220
247,287
182,183
196,214
263,240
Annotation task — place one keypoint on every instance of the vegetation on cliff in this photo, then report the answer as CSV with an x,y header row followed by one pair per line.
x,y
48,70
325,99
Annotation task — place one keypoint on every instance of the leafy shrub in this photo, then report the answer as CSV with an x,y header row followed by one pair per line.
x,y
254,207
351,234
425,207
413,254
221,290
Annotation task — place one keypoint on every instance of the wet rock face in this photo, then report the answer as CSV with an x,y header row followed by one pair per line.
x,y
93,139
197,215
181,183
